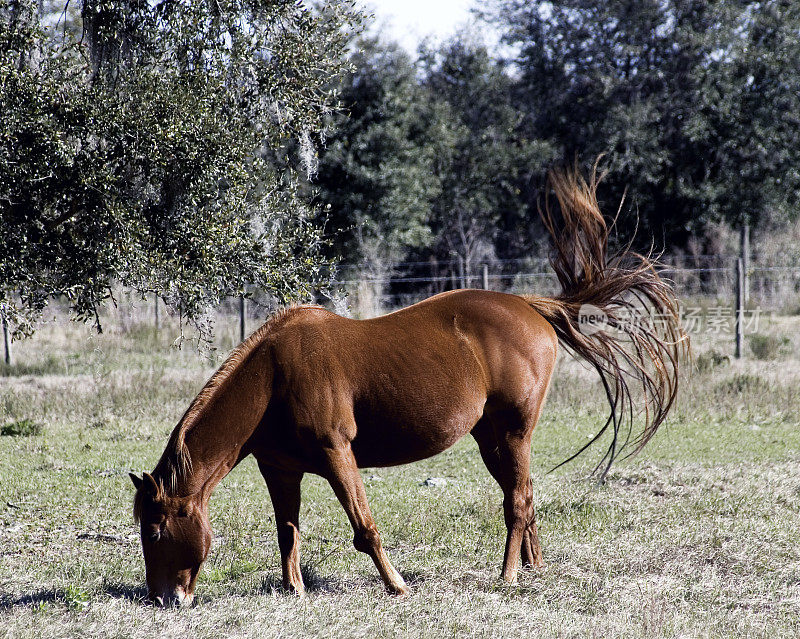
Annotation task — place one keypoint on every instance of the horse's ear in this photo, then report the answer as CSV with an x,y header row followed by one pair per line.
x,y
150,485
136,480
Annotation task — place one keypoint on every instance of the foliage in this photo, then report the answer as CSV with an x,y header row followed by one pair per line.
x,y
141,154
426,160
743,385
377,172
695,102
172,147
76,598
711,360
769,347
487,168
21,427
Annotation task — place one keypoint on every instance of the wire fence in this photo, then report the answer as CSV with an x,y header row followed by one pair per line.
x,y
697,279
722,302
706,286
708,282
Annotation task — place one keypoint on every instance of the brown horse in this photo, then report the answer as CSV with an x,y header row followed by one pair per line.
x,y
312,392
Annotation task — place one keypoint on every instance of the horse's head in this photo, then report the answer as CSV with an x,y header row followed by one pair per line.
x,y
176,538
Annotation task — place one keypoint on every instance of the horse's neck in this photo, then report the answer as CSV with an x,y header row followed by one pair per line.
x,y
223,426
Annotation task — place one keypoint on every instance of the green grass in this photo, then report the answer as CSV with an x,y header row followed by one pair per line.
x,y
769,347
696,537
20,427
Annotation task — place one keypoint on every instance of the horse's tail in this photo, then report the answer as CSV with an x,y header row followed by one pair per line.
x,y
614,311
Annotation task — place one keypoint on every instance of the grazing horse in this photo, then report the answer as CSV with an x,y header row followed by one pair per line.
x,y
313,392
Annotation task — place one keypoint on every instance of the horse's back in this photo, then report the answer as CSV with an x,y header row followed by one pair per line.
x,y
488,326
514,344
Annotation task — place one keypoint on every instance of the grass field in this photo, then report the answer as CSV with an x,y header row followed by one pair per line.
x,y
696,537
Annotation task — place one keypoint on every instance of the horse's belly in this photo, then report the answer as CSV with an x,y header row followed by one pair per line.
x,y
404,434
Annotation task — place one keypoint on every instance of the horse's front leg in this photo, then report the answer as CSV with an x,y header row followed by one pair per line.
x,y
284,490
342,473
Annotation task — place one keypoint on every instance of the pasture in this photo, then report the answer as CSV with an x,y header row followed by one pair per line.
x,y
695,537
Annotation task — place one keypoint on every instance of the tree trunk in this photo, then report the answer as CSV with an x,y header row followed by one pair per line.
x,y
24,15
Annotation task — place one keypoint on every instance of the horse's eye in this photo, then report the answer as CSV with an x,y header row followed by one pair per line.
x,y
155,535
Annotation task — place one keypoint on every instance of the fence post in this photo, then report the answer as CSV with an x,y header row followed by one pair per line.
x,y
486,277
739,307
461,274
6,338
156,318
242,317
745,250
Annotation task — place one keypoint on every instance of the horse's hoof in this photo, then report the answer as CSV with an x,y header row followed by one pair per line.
x,y
509,578
292,589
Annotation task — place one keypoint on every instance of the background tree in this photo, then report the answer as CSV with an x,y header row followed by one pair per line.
x,y
139,155
163,145
426,162
377,170
487,169
690,99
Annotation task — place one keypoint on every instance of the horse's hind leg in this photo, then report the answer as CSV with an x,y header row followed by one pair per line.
x,y
284,490
504,443
346,482
531,549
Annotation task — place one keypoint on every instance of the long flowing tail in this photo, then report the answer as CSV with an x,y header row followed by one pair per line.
x,y
614,311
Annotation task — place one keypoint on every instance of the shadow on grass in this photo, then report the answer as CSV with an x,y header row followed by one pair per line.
x,y
316,583
73,597
414,578
313,581
136,594
76,598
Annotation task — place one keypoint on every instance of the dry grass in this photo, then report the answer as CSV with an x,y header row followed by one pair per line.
x,y
697,537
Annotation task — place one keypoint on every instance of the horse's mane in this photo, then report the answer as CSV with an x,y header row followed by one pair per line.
x,y
176,463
